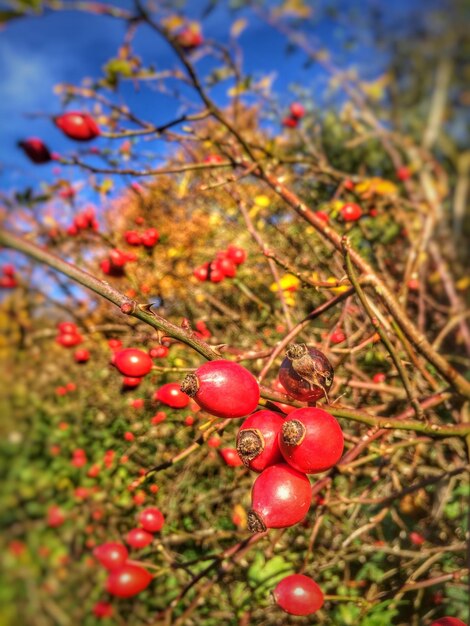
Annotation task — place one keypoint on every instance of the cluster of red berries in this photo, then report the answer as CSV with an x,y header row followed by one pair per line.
x,y
8,279
126,578
296,113
223,266
68,335
148,238
65,389
115,263
85,220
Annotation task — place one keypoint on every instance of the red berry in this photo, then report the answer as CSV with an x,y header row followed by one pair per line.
x,y
297,110
137,403
311,440
55,516
257,440
68,341
131,382
151,519
305,373
403,173
115,344
337,336
237,255
323,216
280,498
128,436
350,212
348,184
189,420
189,38
159,352
133,362
201,272
132,237
111,554
448,621
379,378
138,538
78,126
417,539
171,395
128,580
81,356
67,328
215,274
223,388
230,457
227,267
102,609
290,122
298,595
214,441
71,386
213,159
36,150
158,417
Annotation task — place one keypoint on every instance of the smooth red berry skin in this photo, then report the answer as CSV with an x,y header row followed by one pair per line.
x,y
280,497
78,126
189,39
151,519
321,445
224,389
36,150
337,336
111,555
69,340
133,362
403,173
171,395
103,609
266,426
115,344
448,621
230,457
159,352
201,272
81,356
290,122
237,255
378,378
227,267
128,580
297,110
131,382
298,595
417,539
351,212
67,328
138,538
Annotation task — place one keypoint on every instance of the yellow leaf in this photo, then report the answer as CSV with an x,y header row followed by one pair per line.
x,y
238,27
262,200
463,283
377,186
172,22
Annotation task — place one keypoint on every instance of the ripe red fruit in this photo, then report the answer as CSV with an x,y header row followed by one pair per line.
x,y
36,150
298,595
213,159
131,382
189,38
379,378
69,340
151,519
237,255
280,497
290,122
171,395
55,516
118,258
448,621
111,554
115,344
133,362
128,580
417,539
132,237
227,267
150,237
230,457
215,274
305,373
159,417
323,216
189,420
257,440
311,440
214,441
159,352
128,436
297,110
81,356
337,336
223,388
78,126
102,609
138,538
201,272
350,212
348,184
403,173
67,328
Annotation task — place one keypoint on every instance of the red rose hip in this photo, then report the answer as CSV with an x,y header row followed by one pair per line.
x,y
223,388
448,621
128,580
280,498
311,440
151,519
298,595
257,440
171,395
133,362
78,126
111,555
138,538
